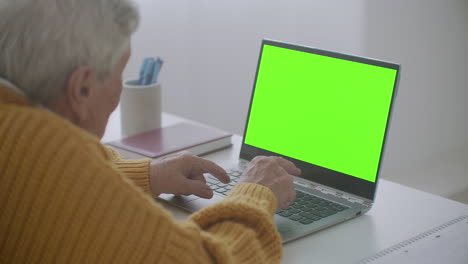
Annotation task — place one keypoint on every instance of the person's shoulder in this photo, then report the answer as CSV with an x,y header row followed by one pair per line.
x,y
40,125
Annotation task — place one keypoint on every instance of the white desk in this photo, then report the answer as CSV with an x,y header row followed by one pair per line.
x,y
399,213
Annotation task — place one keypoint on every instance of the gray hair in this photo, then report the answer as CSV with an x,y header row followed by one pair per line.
x,y
43,41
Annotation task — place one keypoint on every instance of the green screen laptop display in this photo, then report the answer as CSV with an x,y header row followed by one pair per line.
x,y
322,110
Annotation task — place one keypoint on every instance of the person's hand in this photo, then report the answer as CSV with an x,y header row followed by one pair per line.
x,y
274,173
182,173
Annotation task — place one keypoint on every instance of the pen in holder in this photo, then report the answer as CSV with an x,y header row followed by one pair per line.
x,y
140,107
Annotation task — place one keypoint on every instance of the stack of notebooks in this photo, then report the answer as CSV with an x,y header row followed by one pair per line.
x,y
196,139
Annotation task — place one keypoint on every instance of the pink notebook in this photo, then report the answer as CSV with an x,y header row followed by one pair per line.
x,y
196,139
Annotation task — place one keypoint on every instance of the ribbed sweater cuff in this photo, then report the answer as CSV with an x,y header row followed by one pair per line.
x,y
249,206
137,171
257,194
245,195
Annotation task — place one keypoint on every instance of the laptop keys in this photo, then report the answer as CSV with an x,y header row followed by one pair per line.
x,y
306,221
286,213
306,209
220,187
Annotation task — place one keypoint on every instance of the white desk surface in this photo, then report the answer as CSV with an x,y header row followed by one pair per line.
x,y
399,213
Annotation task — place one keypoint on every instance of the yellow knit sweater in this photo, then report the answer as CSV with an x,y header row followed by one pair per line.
x,y
65,198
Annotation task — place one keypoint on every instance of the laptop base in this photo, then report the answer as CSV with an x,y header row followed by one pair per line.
x,y
289,229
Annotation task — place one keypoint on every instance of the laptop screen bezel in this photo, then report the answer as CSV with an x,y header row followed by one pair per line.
x,y
315,173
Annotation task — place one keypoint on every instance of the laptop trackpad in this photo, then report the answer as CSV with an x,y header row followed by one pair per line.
x,y
200,203
177,199
283,225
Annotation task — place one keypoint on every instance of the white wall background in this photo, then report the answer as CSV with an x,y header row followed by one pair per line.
x,y
210,48
428,143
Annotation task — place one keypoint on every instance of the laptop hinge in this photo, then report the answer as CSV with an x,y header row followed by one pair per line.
x,y
354,199
328,190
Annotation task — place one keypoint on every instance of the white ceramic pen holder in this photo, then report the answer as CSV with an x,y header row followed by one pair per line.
x,y
140,107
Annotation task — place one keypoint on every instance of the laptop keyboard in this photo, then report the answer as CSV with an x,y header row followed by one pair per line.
x,y
306,209
221,188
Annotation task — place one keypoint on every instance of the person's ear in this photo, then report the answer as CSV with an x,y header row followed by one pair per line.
x,y
79,91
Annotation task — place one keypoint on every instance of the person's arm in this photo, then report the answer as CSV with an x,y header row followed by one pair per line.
x,y
137,170
98,216
241,228
171,174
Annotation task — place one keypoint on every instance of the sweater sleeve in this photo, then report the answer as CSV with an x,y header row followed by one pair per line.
x,y
240,228
63,200
243,203
85,211
251,205
136,170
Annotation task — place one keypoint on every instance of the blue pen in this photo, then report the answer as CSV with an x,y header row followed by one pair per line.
x,y
157,68
148,71
144,65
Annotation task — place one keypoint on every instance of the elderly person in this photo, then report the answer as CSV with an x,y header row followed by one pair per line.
x,y
66,198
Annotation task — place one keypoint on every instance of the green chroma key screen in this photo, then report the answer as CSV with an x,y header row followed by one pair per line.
x,y
322,110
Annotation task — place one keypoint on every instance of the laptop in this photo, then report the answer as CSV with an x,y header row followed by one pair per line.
x,y
327,112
